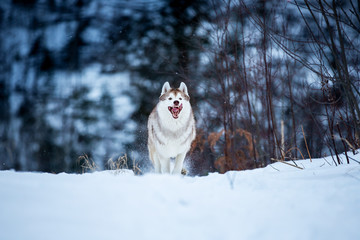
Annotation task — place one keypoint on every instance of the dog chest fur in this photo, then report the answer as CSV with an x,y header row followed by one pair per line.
x,y
173,136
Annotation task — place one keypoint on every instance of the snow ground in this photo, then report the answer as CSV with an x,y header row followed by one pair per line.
x,y
320,202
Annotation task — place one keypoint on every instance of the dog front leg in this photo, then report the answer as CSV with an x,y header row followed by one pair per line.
x,y
157,167
165,165
179,160
156,161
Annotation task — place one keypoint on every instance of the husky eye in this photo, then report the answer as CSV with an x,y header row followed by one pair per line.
x,y
180,98
170,98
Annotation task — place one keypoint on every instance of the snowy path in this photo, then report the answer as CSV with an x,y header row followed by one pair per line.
x,y
320,202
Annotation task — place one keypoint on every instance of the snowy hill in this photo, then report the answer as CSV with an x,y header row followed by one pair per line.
x,y
277,202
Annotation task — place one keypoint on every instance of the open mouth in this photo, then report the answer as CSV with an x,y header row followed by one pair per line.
x,y
175,111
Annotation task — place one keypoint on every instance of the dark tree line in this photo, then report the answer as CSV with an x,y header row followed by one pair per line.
x,y
268,79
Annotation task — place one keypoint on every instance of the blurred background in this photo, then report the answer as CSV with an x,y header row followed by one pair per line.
x,y
267,79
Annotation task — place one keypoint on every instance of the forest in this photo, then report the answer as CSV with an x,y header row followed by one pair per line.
x,y
269,80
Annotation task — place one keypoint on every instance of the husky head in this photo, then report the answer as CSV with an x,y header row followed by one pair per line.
x,y
175,99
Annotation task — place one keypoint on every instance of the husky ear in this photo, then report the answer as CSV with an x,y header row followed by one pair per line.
x,y
166,87
183,88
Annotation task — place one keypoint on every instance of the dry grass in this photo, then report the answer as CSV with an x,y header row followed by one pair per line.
x,y
87,164
119,165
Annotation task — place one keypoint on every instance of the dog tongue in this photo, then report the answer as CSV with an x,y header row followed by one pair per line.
x,y
175,109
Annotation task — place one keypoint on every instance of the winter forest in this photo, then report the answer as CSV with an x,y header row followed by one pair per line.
x,y
268,80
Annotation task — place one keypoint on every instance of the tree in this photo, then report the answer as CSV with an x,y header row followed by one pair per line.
x,y
164,47
331,40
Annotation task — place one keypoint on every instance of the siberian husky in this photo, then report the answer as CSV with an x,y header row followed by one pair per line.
x,y
171,129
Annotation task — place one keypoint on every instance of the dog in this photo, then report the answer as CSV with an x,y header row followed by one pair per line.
x,y
171,129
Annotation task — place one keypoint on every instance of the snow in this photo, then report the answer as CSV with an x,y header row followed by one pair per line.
x,y
277,202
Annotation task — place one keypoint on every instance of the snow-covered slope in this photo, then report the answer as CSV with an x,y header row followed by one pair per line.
x,y
319,202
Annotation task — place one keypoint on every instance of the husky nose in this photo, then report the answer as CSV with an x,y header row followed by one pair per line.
x,y
176,102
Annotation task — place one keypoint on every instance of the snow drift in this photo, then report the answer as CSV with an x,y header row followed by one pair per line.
x,y
277,202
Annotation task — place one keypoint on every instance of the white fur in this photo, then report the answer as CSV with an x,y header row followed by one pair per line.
x,y
183,88
166,87
170,137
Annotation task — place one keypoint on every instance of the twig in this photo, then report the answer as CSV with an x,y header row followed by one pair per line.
x,y
282,150
306,143
274,167
346,141
343,142
277,160
296,148
354,160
